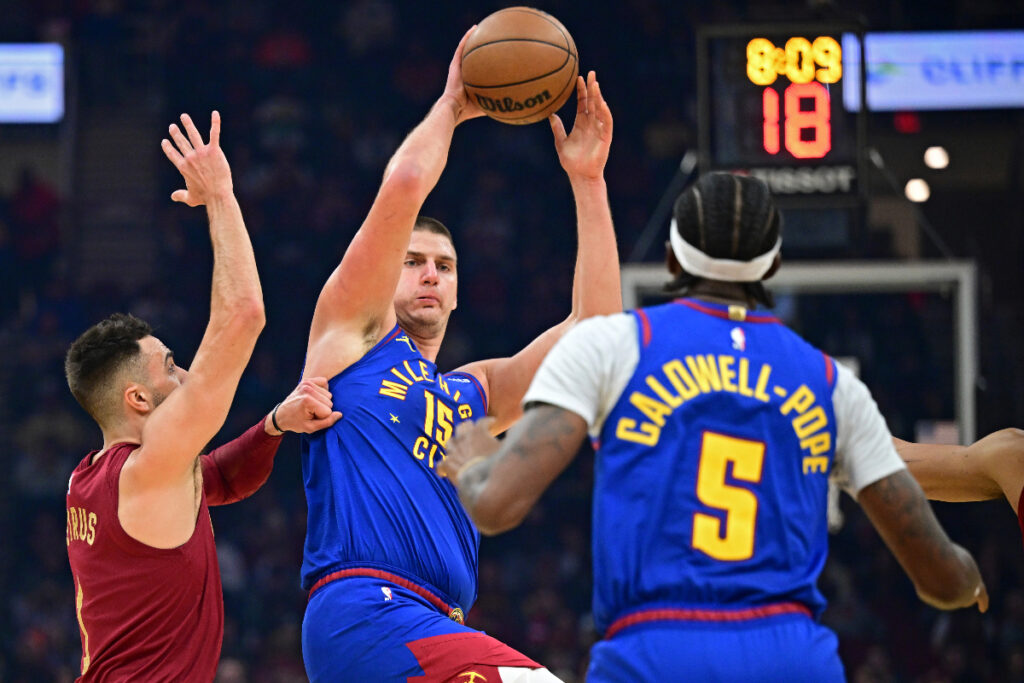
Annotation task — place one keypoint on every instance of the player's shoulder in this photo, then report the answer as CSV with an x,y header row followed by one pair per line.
x,y
602,329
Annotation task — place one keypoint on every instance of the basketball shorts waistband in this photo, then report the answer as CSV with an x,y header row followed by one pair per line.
x,y
453,612
704,615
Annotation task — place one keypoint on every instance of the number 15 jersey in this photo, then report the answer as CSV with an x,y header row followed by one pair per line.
x,y
374,498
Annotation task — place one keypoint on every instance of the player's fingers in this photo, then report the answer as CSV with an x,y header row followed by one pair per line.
x,y
317,381
215,128
316,391
982,599
171,153
179,139
445,469
557,128
604,112
318,407
193,133
581,96
486,424
180,196
457,59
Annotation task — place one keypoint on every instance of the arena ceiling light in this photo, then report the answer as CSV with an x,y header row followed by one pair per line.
x,y
936,157
917,190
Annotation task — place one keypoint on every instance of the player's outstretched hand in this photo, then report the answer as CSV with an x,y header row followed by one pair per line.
x,y
472,441
309,408
455,88
583,153
203,165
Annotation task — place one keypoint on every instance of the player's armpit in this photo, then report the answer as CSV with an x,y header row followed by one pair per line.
x,y
944,574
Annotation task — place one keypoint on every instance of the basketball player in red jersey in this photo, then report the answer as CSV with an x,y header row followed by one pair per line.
x,y
140,542
987,469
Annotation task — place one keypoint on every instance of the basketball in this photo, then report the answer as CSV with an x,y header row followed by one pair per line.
x,y
520,65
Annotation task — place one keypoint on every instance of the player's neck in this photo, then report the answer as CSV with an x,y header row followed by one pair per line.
x,y
716,291
427,343
120,433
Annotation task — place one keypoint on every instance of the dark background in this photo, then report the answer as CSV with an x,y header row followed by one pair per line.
x,y
315,97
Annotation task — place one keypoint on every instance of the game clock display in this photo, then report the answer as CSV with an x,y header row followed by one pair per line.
x,y
771,104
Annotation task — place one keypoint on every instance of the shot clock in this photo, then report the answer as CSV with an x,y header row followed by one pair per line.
x,y
770,103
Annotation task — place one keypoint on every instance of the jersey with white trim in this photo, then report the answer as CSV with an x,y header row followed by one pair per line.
x,y
712,467
373,493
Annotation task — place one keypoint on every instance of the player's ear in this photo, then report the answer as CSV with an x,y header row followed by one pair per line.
x,y
776,264
138,398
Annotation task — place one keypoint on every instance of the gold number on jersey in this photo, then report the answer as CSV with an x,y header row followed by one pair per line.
x,y
443,415
79,599
739,504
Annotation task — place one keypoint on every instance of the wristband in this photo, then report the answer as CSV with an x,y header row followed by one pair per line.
x,y
273,420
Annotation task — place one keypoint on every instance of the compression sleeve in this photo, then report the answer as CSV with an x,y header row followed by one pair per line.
x,y
239,468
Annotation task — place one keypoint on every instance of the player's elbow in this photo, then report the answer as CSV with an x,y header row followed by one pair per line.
x,y
1009,444
247,315
406,178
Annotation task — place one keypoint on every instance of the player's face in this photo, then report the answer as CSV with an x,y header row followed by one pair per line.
x,y
164,375
426,293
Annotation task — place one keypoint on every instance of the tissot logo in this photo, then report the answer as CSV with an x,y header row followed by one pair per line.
x,y
819,180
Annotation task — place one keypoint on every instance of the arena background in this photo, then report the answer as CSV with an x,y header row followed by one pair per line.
x,y
314,98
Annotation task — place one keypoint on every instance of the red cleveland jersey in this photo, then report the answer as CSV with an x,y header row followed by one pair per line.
x,y
145,614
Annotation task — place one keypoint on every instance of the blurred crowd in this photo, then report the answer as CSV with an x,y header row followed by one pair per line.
x,y
315,99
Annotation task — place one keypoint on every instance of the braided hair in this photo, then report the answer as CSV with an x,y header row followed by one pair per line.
x,y
727,216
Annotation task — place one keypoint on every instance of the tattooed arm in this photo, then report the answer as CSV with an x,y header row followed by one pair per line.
x,y
499,481
944,574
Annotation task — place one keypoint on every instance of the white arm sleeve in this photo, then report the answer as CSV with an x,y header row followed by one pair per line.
x,y
588,368
864,449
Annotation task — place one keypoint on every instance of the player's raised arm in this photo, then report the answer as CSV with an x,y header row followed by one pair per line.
x,y
355,306
180,427
989,468
597,287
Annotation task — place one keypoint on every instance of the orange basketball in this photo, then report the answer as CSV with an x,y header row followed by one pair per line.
x,y
520,65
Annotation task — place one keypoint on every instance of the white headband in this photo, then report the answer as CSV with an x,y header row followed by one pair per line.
x,y
696,262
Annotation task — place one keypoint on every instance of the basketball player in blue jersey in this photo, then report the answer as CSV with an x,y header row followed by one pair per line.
x,y
716,430
390,555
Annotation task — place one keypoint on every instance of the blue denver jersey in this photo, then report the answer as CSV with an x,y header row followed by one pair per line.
x,y
711,474
374,498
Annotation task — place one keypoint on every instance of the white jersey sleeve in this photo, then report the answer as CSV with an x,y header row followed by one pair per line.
x,y
864,449
588,368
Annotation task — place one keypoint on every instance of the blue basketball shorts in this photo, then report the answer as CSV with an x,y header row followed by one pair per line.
x,y
369,629
789,648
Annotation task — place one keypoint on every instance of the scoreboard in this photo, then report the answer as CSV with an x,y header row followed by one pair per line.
x,y
770,103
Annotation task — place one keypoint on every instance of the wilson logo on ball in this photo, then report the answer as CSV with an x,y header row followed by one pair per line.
x,y
507,104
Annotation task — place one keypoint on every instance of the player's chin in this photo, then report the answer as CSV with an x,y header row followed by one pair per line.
x,y
425,319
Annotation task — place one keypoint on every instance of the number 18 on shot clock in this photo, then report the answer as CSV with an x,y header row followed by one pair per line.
x,y
770,103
